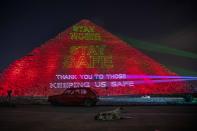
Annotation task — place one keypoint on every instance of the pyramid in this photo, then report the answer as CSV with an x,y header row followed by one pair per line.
x,y
86,55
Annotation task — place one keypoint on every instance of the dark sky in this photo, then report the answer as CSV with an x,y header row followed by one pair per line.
x,y
26,24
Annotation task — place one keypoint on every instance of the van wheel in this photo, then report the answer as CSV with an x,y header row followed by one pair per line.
x,y
54,103
188,98
89,102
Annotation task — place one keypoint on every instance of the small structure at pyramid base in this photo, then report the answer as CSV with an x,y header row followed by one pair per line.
x,y
85,55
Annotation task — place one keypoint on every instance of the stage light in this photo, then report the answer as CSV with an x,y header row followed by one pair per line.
x,y
159,77
137,82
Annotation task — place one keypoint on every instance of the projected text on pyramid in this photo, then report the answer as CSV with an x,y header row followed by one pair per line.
x,y
82,32
91,56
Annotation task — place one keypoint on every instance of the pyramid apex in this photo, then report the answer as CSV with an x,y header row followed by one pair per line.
x,y
85,21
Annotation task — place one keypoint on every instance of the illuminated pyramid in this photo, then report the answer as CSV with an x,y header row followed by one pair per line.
x,y
85,55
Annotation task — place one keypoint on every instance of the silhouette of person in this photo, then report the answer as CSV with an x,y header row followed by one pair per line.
x,y
9,95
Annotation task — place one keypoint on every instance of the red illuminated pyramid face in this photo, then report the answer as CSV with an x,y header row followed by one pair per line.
x,y
85,55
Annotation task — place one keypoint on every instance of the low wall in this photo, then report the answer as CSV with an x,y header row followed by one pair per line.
x,y
108,100
25,100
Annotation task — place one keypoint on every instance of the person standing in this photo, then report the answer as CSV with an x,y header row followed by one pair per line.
x,y
9,95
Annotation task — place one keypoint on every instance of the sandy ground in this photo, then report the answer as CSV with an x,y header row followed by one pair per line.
x,y
74,118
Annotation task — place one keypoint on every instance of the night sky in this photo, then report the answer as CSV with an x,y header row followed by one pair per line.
x,y
27,24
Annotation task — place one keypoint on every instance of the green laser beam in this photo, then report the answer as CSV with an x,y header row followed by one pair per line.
x,y
182,71
158,48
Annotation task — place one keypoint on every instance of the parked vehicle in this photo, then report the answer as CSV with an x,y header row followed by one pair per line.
x,y
75,96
